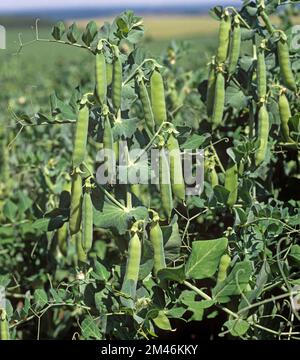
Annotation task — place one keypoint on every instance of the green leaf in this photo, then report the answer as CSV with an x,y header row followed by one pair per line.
x,y
294,254
221,194
162,321
237,327
112,216
90,329
125,128
195,141
205,257
235,282
10,210
40,298
100,272
58,30
235,97
176,312
172,274
90,33
73,33
172,240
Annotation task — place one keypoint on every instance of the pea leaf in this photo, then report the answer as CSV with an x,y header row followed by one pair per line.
x,y
205,257
58,30
90,33
162,321
235,282
111,216
237,327
90,328
73,33
195,141
40,298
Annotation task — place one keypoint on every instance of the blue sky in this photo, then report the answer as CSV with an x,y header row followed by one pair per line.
x,y
31,4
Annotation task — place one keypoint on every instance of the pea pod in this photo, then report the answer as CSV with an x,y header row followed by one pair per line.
x,y
158,98
261,74
109,73
148,113
165,183
132,266
263,134
176,172
212,174
101,80
108,146
219,100
76,200
224,37
4,329
235,47
285,64
211,88
81,134
223,267
62,239
156,238
87,219
81,255
62,232
117,83
285,115
231,183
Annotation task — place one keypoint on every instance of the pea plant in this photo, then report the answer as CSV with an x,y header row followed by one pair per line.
x,y
85,258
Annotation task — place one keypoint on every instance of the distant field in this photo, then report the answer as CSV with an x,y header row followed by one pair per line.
x,y
166,27
199,31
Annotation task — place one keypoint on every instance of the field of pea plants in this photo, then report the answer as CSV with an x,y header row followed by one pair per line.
x,y
152,197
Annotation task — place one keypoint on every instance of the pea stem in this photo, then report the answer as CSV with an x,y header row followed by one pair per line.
x,y
207,297
137,69
217,158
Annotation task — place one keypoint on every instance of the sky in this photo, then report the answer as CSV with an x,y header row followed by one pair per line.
x,y
31,4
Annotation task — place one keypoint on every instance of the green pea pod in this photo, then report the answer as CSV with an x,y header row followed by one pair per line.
x,y
108,144
223,267
176,172
156,238
80,253
148,113
213,177
81,133
75,208
117,83
210,95
4,329
219,100
285,65
261,74
136,190
87,221
235,48
263,134
165,184
62,239
285,115
231,183
101,80
132,266
224,37
158,98
109,73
